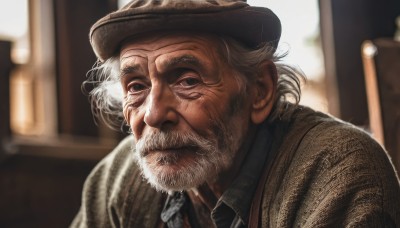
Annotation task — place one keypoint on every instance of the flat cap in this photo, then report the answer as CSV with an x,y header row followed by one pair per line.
x,y
249,25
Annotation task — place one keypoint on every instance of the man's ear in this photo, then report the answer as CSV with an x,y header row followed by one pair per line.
x,y
264,92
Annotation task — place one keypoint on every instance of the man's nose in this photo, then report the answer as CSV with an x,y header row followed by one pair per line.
x,y
161,107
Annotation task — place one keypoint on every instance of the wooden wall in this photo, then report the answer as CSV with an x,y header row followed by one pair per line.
x,y
41,182
40,191
345,25
73,19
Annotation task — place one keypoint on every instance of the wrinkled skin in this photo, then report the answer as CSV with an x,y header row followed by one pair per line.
x,y
179,83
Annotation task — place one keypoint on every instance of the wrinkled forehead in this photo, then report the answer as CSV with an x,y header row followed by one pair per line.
x,y
167,49
177,39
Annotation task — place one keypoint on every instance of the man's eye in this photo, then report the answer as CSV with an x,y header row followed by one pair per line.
x,y
189,82
136,87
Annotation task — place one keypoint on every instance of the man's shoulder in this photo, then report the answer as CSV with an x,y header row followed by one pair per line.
x,y
113,163
328,170
116,194
331,143
113,170
122,153
319,129
331,137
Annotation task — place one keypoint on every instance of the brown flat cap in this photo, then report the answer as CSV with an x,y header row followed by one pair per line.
x,y
250,25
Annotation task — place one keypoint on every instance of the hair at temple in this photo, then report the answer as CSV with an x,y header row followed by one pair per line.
x,y
106,95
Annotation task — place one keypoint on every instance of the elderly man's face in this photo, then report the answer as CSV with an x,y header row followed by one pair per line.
x,y
187,113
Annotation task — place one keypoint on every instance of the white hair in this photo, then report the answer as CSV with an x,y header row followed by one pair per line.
x,y
106,96
247,62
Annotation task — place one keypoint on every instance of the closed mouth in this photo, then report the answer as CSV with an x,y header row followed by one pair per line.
x,y
183,149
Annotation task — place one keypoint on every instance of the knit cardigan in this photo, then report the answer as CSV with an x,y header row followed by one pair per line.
x,y
323,173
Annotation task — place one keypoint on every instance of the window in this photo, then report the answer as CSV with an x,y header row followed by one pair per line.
x,y
301,37
28,24
15,29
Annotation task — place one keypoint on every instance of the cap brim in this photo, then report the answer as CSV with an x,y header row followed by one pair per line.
x,y
250,25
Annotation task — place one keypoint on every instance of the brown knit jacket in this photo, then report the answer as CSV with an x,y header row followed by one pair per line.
x,y
324,173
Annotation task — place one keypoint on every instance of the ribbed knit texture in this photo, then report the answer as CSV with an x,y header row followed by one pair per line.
x,y
337,176
334,176
116,195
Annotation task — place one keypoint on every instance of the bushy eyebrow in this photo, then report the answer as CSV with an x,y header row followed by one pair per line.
x,y
128,70
170,63
184,59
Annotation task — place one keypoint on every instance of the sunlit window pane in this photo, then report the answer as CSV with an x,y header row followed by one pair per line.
x,y
301,37
14,27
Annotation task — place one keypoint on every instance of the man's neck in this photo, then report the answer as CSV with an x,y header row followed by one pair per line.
x,y
209,193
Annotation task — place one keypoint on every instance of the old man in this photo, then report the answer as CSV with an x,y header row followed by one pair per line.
x,y
217,137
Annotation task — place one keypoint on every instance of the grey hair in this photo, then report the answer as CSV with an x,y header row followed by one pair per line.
x,y
106,97
248,61
104,90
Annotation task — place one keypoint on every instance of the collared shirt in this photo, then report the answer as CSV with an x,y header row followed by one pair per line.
x,y
233,207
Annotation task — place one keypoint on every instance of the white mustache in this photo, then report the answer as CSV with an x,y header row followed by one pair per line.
x,y
172,140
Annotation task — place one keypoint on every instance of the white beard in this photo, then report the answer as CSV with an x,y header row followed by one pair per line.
x,y
212,156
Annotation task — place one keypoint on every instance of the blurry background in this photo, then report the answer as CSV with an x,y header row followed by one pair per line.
x,y
48,139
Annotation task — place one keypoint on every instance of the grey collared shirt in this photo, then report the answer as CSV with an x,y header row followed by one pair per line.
x,y
233,207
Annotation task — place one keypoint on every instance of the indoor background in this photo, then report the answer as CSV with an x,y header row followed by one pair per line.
x,y
49,140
